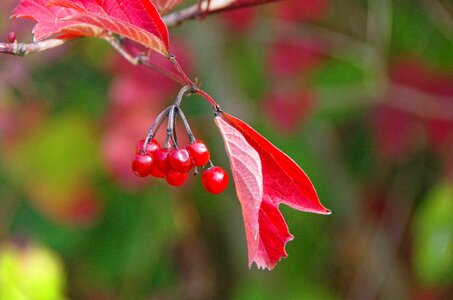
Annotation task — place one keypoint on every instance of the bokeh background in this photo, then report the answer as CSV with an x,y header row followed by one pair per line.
x,y
359,93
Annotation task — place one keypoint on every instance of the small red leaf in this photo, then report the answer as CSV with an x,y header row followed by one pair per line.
x,y
275,178
137,20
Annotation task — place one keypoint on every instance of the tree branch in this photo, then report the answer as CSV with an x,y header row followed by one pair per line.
x,y
204,8
208,7
22,49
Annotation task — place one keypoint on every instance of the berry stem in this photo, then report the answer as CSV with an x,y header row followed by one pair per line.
x,y
211,165
170,128
155,126
181,93
186,125
175,136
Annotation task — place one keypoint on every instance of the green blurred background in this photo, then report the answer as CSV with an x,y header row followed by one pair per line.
x,y
359,93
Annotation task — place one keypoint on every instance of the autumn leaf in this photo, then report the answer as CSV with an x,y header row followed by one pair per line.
x,y
137,20
265,177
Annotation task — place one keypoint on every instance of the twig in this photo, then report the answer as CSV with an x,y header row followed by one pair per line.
x,y
208,7
22,49
173,19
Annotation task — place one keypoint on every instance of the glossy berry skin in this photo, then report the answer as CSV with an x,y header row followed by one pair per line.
x,y
142,164
151,147
214,180
175,178
161,161
155,172
199,152
180,160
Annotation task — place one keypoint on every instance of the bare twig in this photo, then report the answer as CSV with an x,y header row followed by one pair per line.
x,y
208,7
21,49
173,19
115,42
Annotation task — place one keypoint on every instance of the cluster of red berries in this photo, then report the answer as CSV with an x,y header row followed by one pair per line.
x,y
175,164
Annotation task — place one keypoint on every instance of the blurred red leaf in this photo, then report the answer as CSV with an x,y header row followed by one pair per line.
x,y
137,20
239,21
288,56
303,10
418,99
394,131
265,177
288,109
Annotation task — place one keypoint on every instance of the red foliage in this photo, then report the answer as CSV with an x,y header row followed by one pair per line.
x,y
288,109
398,124
288,57
239,21
303,10
265,177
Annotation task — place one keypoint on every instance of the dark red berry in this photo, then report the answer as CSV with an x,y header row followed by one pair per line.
x,y
180,160
161,161
175,178
214,180
151,147
142,164
12,37
199,152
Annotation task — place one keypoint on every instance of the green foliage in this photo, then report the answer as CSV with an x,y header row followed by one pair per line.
x,y
433,235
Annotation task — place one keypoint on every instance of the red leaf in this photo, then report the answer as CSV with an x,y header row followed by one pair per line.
x,y
260,170
137,20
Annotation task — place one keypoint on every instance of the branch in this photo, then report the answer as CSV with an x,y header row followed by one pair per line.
x,y
204,8
22,49
208,7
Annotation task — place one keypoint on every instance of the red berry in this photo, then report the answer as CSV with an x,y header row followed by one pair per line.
x,y
155,172
214,180
175,178
12,37
180,160
161,161
199,152
142,164
151,147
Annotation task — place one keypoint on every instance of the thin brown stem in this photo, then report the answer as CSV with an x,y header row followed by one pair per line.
x,y
207,97
207,7
180,70
22,49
